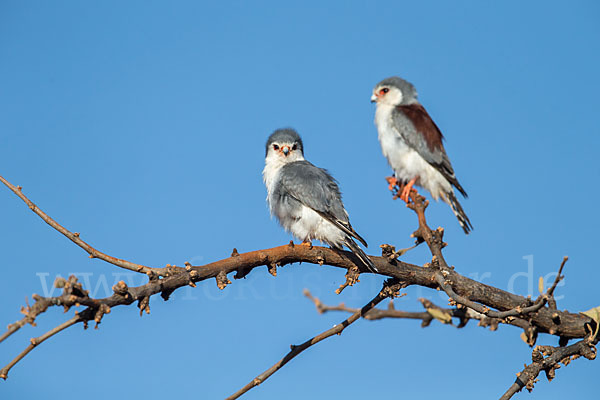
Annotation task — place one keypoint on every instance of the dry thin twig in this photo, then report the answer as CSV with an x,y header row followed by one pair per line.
x,y
444,315
73,294
74,237
554,355
390,289
37,341
541,301
29,318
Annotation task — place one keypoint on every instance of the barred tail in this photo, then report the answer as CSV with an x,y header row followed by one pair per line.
x,y
459,212
351,244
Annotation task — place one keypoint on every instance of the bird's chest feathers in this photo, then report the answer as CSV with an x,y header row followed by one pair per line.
x,y
270,175
285,208
393,145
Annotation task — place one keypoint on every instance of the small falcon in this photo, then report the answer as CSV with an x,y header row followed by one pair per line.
x,y
306,199
412,144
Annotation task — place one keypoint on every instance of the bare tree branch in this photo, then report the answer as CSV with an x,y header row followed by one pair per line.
x,y
571,325
554,355
444,315
74,237
479,301
36,341
539,303
446,279
390,289
73,295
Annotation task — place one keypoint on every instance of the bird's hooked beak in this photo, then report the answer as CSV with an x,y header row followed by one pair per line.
x,y
285,150
374,98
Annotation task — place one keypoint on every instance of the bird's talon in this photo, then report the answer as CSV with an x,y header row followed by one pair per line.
x,y
307,243
407,189
392,183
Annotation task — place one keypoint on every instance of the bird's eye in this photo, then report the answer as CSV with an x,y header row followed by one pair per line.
x,y
294,147
275,147
384,91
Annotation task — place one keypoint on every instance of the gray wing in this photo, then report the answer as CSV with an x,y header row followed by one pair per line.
x,y
316,189
418,130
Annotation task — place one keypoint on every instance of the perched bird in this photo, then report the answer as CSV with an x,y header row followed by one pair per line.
x,y
306,199
412,144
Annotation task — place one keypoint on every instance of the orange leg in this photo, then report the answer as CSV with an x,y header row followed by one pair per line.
x,y
407,189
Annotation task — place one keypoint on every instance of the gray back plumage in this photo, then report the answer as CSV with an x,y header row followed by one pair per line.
x,y
407,130
301,182
285,135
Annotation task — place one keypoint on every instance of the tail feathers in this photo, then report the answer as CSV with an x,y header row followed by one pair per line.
x,y
351,244
459,212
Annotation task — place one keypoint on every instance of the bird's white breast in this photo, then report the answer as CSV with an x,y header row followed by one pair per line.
x,y
306,224
270,174
406,162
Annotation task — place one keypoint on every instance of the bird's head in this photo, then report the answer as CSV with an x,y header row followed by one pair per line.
x,y
394,91
284,145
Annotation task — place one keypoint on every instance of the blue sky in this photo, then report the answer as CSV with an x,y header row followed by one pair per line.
x,y
141,124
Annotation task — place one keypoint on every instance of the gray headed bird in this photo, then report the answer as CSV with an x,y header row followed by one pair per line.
x,y
306,199
412,144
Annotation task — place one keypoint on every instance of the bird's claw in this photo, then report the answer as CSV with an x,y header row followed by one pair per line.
x,y
405,195
392,181
399,190
307,243
407,189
